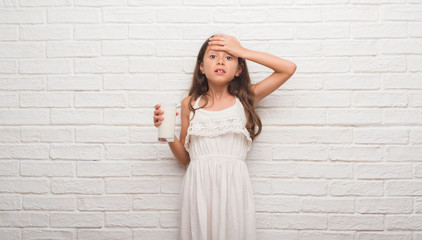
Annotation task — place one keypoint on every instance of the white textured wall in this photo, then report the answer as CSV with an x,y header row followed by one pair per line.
x,y
340,156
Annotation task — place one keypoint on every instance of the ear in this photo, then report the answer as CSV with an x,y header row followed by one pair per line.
x,y
201,67
239,70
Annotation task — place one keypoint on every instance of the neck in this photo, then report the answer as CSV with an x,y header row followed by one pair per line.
x,y
218,92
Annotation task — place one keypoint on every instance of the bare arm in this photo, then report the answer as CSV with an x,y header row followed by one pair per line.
x,y
283,69
177,147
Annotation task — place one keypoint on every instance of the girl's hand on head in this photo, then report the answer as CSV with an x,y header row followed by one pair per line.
x,y
223,42
157,115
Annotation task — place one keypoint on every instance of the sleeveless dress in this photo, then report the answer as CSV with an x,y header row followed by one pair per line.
x,y
216,198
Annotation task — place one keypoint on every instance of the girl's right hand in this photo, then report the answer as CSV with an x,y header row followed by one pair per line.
x,y
157,118
157,115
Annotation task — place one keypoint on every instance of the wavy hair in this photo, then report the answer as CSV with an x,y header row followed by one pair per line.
x,y
240,87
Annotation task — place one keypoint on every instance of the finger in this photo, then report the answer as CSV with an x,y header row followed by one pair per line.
x,y
216,43
158,112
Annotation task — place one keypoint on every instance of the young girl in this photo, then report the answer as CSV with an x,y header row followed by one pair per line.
x,y
218,124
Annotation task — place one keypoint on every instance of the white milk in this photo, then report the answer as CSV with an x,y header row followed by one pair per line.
x,y
166,129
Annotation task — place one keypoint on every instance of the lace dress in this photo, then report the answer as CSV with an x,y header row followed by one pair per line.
x,y
216,198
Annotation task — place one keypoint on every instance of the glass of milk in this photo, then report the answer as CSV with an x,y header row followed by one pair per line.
x,y
166,129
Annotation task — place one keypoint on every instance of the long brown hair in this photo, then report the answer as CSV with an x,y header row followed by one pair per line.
x,y
240,87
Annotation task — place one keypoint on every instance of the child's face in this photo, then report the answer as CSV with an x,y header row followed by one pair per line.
x,y
220,66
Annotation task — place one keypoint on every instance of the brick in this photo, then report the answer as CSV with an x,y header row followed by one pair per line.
x,y
383,171
293,14
167,168
337,116
35,234
104,203
29,151
355,153
299,222
152,32
130,82
47,134
277,204
271,169
325,170
128,15
9,33
101,65
9,168
350,13
11,233
156,202
356,188
46,169
100,99
356,222
24,116
73,15
46,32
403,222
57,203
76,116
304,152
46,100
141,219
327,205
75,82
338,99
77,186
10,202
383,236
22,50
402,13
381,135
132,185
379,30
110,234
22,16
155,65
183,15
48,66
384,205
300,187
404,153
291,117
326,235
9,134
353,47
77,219
125,48
151,234
24,219
8,66
402,80
103,169
76,152
404,188
73,49
171,185
103,31
378,64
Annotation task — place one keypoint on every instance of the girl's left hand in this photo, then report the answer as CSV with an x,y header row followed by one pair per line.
x,y
223,42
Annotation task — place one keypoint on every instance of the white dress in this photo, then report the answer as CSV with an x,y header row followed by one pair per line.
x,y
216,198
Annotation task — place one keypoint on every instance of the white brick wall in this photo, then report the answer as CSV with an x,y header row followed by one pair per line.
x,y
339,158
